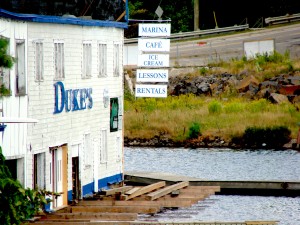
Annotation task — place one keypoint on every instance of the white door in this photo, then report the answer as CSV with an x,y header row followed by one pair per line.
x,y
57,178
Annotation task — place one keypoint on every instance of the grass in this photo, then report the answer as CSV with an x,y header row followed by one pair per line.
x,y
261,67
227,118
173,116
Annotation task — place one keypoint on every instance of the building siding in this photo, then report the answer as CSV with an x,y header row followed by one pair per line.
x,y
66,128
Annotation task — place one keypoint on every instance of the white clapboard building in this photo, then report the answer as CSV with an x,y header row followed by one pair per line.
x,y
67,75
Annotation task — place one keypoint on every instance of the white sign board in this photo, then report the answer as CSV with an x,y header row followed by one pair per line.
x,y
153,60
154,45
155,75
154,91
154,29
253,48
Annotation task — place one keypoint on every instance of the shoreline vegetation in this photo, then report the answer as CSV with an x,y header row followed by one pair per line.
x,y
231,113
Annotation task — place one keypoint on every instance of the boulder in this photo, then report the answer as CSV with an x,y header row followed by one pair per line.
x,y
246,82
278,98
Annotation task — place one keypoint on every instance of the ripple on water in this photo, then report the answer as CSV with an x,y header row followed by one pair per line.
x,y
215,164
224,164
286,210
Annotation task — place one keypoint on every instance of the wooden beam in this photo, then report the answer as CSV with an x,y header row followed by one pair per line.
x,y
131,191
121,16
114,191
119,203
94,216
116,209
145,190
166,190
172,202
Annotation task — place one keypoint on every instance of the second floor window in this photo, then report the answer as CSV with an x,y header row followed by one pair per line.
x,y
39,61
20,68
87,60
116,60
59,62
102,51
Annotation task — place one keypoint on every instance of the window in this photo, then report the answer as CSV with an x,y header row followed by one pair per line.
x,y
114,114
87,60
20,68
5,72
102,51
103,146
39,61
39,171
88,149
119,149
59,61
5,81
116,60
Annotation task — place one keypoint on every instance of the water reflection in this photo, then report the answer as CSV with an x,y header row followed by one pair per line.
x,y
216,164
224,164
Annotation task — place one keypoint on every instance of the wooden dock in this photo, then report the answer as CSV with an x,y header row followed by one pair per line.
x,y
122,205
266,188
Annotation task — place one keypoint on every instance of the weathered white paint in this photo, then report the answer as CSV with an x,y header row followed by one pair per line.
x,y
17,120
65,128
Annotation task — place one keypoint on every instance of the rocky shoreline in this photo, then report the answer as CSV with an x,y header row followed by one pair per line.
x,y
201,142
279,89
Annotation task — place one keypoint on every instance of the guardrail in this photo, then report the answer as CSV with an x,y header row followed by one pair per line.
x,y
185,35
282,19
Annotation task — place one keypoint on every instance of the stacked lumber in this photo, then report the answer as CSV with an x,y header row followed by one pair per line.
x,y
125,203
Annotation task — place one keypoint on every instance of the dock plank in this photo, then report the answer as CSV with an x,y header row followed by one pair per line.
x,y
145,190
117,209
114,191
92,216
159,193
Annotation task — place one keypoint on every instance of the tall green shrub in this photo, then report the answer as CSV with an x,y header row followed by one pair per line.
x,y
270,137
16,203
194,130
214,107
6,60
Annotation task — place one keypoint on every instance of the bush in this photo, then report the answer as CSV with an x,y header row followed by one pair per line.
x,y
214,107
16,203
275,137
194,130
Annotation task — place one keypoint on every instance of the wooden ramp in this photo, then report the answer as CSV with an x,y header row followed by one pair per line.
x,y
122,205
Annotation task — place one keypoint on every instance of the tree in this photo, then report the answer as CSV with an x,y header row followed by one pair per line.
x,y
6,62
16,203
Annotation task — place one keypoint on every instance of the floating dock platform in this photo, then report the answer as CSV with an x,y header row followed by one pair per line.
x,y
259,188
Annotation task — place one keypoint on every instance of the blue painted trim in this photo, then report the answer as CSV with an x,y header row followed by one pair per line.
x,y
61,20
103,183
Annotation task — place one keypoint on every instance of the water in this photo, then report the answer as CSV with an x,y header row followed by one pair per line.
x,y
224,164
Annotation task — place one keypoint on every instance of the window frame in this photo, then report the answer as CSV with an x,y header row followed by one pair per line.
x,y
39,61
103,146
20,68
88,156
86,66
59,61
102,59
116,59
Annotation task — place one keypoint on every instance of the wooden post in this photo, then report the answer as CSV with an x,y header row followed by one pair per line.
x,y
196,15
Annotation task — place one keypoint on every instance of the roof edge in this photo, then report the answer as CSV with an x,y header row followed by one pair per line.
x,y
60,20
